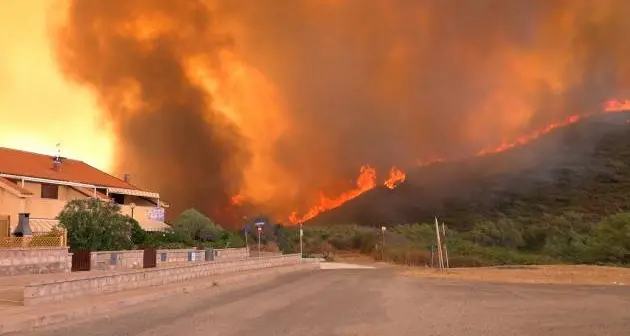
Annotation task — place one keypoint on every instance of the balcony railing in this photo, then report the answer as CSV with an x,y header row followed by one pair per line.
x,y
139,212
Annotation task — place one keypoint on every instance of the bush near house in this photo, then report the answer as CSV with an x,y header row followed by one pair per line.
x,y
99,226
194,229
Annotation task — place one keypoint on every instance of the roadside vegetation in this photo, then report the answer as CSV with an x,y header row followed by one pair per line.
x,y
100,226
570,239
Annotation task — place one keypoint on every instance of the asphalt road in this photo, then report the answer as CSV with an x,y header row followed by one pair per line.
x,y
372,302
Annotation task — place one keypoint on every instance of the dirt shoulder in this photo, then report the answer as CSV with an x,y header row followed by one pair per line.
x,y
556,274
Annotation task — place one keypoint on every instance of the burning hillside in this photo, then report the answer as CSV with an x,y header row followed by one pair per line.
x,y
366,179
583,167
237,107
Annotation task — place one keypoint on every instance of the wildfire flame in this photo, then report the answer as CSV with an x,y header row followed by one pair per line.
x,y
367,176
396,177
609,107
237,199
365,182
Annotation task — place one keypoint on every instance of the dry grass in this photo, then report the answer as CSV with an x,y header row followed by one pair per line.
x,y
561,274
353,257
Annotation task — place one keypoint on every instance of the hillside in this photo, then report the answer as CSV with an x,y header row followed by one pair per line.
x,y
583,168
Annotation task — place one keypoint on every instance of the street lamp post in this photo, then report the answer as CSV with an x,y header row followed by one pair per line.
x,y
132,206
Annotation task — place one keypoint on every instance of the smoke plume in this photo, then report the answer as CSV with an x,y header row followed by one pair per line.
x,y
279,100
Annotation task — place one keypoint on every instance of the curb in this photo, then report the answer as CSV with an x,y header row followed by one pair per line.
x,y
41,320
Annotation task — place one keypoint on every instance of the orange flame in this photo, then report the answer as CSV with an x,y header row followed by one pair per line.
x,y
365,182
237,199
610,106
396,177
367,176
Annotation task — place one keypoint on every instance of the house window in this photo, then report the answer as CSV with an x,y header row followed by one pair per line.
x,y
118,198
50,191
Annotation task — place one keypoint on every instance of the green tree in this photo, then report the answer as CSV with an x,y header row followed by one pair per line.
x,y
172,239
197,226
96,225
229,239
288,239
138,235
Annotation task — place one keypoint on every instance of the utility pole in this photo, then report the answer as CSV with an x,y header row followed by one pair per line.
x,y
439,244
445,248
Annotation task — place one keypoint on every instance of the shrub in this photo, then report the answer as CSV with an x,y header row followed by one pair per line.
x,y
96,225
409,255
197,226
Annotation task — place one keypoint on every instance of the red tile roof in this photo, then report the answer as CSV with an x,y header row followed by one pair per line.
x,y
17,162
9,184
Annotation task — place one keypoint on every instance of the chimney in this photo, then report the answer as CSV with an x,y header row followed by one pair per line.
x,y
57,164
127,178
23,228
57,159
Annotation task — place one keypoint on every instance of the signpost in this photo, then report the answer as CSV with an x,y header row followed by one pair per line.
x,y
383,229
259,228
301,235
246,231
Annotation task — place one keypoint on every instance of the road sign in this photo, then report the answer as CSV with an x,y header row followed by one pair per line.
x,y
259,229
259,224
301,232
383,228
156,213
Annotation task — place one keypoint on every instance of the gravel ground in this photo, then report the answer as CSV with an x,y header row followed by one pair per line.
x,y
373,302
551,274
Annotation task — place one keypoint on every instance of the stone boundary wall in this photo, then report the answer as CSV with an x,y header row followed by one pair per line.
x,y
180,256
111,260
60,290
130,259
20,261
230,253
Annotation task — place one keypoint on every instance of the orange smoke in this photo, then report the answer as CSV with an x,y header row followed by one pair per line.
x,y
38,106
278,101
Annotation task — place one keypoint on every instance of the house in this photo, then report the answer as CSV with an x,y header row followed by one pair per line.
x,y
41,185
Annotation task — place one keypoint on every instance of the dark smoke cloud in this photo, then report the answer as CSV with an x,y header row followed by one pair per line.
x,y
385,82
172,142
